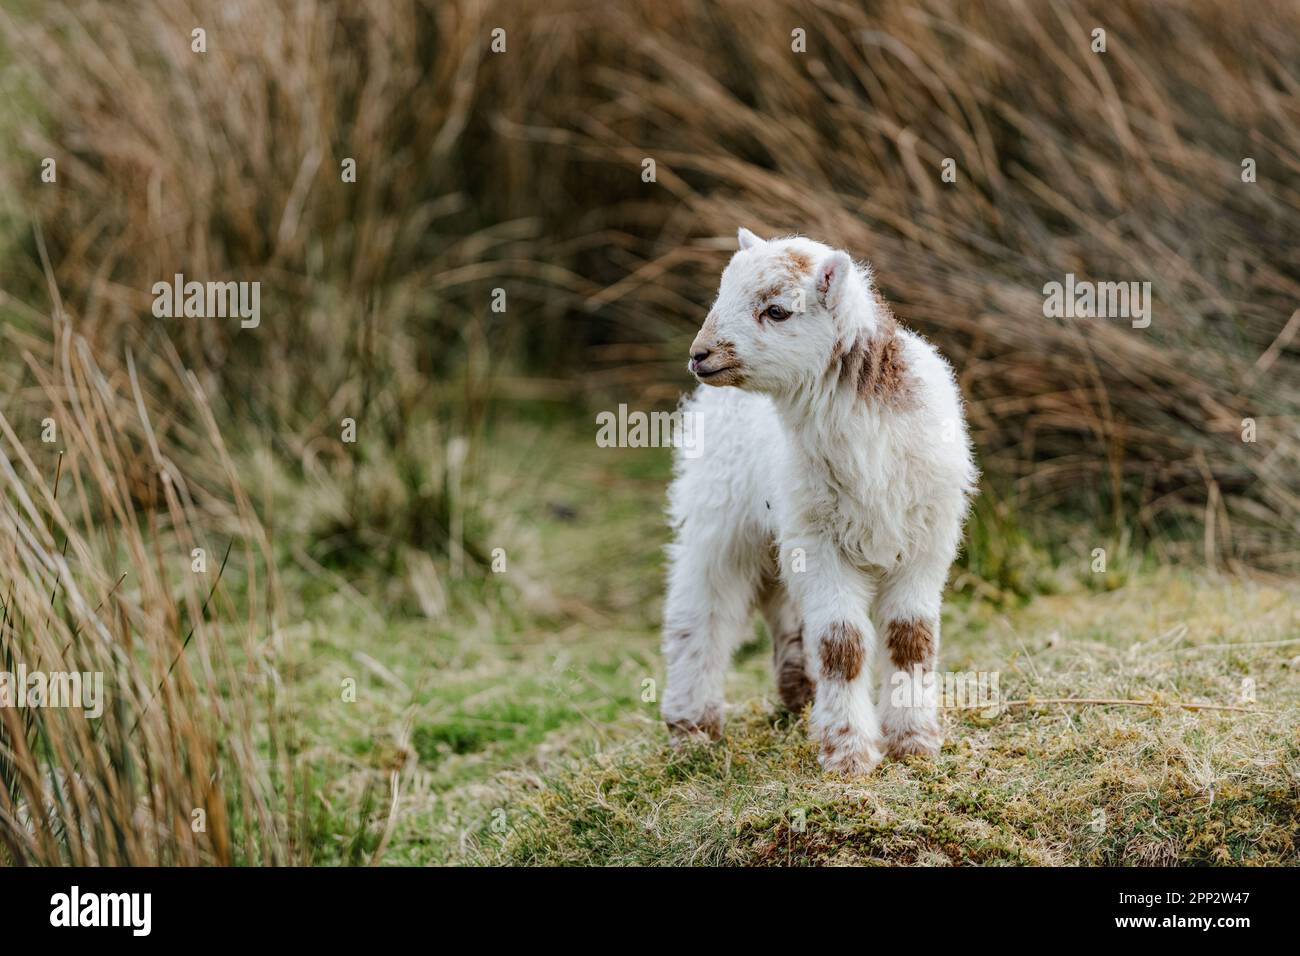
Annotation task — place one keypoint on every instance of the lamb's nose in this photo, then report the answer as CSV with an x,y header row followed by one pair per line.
x,y
701,347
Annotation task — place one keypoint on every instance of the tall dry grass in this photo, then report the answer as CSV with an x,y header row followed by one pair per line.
x,y
98,535
522,171
221,167
228,166
1125,165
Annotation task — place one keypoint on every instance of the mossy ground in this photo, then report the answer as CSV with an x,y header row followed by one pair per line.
x,y
514,725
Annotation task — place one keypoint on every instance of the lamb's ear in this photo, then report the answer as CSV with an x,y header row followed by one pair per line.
x,y
747,239
832,275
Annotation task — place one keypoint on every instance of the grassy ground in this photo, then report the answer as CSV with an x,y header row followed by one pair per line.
x,y
515,727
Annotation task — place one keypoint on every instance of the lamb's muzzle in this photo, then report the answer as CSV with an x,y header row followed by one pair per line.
x,y
714,360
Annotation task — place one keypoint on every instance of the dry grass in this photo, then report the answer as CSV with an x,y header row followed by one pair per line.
x,y
228,166
1124,165
97,531
522,171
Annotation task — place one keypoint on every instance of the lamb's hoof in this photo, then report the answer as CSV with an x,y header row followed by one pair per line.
x,y
708,726
925,742
849,752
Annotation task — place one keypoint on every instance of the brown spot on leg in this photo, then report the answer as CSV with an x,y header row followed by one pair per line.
x,y
844,751
834,739
910,643
922,742
842,652
708,724
792,681
914,730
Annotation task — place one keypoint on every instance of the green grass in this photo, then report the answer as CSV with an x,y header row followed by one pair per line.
x,y
515,730
1043,785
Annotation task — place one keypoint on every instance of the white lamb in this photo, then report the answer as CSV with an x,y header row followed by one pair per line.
x,y
832,477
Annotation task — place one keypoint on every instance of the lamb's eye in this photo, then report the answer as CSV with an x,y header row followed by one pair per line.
x,y
776,313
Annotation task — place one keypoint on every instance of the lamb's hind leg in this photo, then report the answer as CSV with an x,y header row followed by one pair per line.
x,y
793,684
711,582
908,615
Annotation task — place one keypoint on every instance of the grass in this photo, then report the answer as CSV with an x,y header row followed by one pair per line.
x,y
520,734
553,649
165,762
433,644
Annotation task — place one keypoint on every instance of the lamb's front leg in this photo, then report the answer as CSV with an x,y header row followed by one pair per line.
x,y
834,598
908,614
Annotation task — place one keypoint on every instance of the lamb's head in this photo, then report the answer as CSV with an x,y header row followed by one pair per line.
x,y
783,309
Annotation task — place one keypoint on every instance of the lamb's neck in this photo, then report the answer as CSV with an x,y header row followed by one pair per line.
x,y
823,419
841,407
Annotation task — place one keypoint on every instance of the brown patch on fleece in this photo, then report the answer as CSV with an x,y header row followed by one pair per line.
x,y
842,652
792,682
843,751
835,739
708,723
798,263
925,742
874,367
910,643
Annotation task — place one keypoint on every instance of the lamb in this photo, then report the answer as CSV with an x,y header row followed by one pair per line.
x,y
830,490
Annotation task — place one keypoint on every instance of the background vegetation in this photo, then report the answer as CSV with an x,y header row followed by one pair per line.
x,y
521,692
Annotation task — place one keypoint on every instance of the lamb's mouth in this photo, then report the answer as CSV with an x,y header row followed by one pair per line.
x,y
722,375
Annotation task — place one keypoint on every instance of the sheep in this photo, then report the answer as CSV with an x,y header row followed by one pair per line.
x,y
830,491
